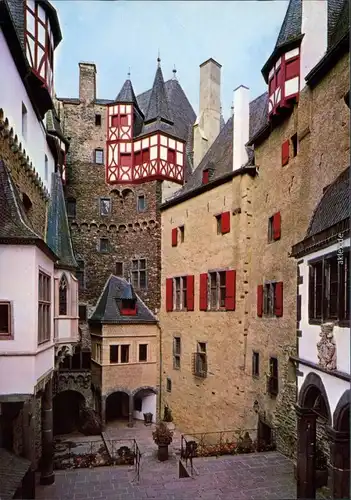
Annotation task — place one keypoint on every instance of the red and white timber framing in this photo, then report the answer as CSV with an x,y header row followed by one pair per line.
x,y
132,160
39,43
284,81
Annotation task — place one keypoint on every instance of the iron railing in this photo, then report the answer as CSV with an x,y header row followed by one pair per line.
x,y
97,453
209,444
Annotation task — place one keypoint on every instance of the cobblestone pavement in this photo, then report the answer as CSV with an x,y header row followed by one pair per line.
x,y
242,477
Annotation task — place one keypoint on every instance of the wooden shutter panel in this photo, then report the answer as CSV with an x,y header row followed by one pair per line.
x,y
169,294
174,237
260,300
225,222
190,292
205,177
278,302
230,290
285,153
276,226
203,292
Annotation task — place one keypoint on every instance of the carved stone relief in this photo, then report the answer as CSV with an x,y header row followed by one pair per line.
x,y
326,347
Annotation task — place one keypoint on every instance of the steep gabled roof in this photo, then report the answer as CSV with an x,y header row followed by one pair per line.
x,y
15,227
126,94
58,233
107,308
334,206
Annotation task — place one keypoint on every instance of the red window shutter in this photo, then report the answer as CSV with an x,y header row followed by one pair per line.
x,y
169,294
230,290
174,237
171,156
278,302
203,292
190,292
225,222
292,69
146,155
205,177
137,158
272,85
260,300
114,121
124,120
125,159
285,153
276,226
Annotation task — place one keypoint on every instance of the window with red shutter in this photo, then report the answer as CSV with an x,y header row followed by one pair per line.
x,y
171,156
146,155
190,292
292,69
205,176
278,299
169,294
276,226
225,222
230,290
124,120
203,292
285,153
260,300
137,158
174,237
114,121
126,159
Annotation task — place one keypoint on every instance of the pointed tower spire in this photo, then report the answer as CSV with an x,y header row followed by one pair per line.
x,y
174,73
158,105
126,94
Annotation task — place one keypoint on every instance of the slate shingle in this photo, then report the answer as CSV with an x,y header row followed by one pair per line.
x,y
107,310
334,207
58,234
158,108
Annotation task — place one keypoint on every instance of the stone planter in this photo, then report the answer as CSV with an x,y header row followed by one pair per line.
x,y
162,453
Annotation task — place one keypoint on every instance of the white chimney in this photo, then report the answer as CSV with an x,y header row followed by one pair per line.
x,y
314,27
208,122
241,122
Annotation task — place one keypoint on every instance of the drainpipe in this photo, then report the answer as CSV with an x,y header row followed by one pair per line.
x,y
160,375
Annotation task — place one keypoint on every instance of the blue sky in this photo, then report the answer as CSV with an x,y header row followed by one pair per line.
x,y
117,35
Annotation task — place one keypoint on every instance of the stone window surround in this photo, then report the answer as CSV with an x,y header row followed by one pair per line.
x,y
182,293
322,258
109,200
147,352
177,352
273,360
96,352
97,153
255,363
271,284
217,306
119,353
107,250
10,334
82,270
44,303
141,194
132,270
201,365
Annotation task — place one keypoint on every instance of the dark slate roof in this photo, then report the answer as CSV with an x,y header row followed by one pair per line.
x,y
339,22
12,470
14,223
220,155
107,311
158,108
126,94
291,27
58,235
53,125
334,207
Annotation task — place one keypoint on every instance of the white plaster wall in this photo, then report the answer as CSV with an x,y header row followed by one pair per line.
x,y
18,284
315,28
22,370
310,333
12,94
148,405
334,387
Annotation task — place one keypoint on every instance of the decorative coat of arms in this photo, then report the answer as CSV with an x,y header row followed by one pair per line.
x,y
326,347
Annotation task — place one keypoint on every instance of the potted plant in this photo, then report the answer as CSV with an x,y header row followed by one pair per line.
x,y
321,468
163,438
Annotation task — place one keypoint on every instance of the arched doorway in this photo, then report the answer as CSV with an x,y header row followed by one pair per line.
x,y
66,406
117,406
144,402
313,420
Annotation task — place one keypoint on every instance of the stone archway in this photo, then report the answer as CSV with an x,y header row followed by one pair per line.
x,y
312,403
339,438
144,401
117,406
66,407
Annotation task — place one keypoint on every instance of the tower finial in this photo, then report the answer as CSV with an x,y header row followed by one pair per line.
x,y
128,74
158,58
174,73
